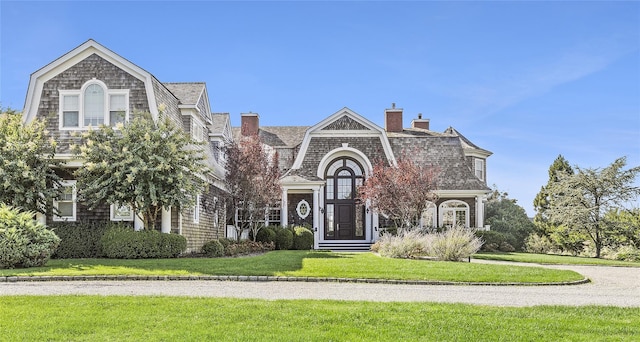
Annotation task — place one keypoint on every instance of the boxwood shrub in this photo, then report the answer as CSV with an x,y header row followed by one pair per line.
x,y
213,249
80,239
284,239
302,238
266,234
23,241
125,243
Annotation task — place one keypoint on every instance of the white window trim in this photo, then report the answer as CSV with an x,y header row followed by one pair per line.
x,y
197,134
115,217
479,167
196,210
444,208
72,218
80,93
434,222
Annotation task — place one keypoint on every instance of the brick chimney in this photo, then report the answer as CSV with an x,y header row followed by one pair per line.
x,y
249,124
393,119
420,122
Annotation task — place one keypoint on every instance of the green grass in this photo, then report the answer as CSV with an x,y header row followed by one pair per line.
x,y
97,318
306,264
553,259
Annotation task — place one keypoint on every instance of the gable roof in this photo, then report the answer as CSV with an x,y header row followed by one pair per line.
x,y
188,93
469,147
73,57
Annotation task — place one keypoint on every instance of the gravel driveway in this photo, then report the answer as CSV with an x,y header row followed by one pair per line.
x,y
617,286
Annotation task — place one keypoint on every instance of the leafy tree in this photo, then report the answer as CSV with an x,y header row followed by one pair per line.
x,y
401,192
27,176
507,217
253,182
145,164
625,226
580,201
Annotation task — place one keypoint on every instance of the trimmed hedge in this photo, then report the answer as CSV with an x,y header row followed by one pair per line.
x,y
213,249
80,239
125,243
266,234
23,241
302,238
284,239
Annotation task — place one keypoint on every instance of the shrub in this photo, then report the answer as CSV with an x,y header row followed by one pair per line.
x,y
406,244
213,249
79,239
23,241
247,247
125,243
284,239
496,241
455,244
266,234
540,244
302,238
627,253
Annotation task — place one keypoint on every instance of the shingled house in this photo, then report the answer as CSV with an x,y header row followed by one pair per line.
x,y
322,164
90,86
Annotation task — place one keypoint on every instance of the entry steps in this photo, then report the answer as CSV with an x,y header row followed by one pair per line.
x,y
345,246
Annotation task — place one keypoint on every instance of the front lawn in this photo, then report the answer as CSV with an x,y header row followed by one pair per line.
x,y
553,259
306,264
98,318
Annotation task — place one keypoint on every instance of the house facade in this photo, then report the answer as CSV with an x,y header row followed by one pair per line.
x,y
91,85
322,164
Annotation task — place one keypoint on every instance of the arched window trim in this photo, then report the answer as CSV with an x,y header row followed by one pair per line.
x,y
444,207
77,110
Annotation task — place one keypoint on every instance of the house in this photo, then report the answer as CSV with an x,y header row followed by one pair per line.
x,y
322,164
92,85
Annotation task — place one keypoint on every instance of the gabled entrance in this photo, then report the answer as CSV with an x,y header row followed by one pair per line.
x,y
344,214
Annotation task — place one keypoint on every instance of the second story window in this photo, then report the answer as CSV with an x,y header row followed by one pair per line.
x,y
93,105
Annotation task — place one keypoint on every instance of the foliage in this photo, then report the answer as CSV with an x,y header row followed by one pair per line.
x,y
505,216
79,239
147,164
495,241
23,241
453,244
627,253
400,191
302,238
625,227
560,167
252,180
125,243
267,234
552,259
246,247
540,244
284,239
580,201
27,176
213,249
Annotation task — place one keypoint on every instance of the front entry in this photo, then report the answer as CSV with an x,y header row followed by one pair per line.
x,y
344,214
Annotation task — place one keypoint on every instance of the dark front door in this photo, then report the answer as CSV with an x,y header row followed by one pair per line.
x,y
344,220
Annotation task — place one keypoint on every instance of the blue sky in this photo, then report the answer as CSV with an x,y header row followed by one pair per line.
x,y
525,80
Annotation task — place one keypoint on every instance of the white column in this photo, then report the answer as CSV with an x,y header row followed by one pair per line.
x,y
166,220
137,223
316,218
283,211
479,211
41,218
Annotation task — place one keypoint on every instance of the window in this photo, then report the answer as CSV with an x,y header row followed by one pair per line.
x,y
479,168
454,213
196,210
121,212
197,131
215,149
428,217
273,217
65,205
93,105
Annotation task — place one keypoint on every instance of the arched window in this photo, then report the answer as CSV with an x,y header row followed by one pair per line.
x,y
454,213
93,105
344,213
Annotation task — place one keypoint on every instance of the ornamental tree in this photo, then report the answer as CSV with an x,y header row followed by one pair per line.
x,y
400,192
144,163
27,177
253,183
581,201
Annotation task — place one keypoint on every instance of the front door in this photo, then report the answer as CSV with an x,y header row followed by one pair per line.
x,y
344,214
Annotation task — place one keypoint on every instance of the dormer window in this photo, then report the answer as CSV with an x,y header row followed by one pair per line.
x,y
479,168
93,105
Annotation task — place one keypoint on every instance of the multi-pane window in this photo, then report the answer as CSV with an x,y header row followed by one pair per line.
x,y
454,213
197,131
479,168
65,204
121,212
428,217
93,105
196,210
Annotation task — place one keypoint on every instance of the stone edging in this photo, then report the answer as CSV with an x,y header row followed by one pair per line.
x,y
13,279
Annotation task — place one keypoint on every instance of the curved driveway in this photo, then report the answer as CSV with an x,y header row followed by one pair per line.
x,y
617,286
